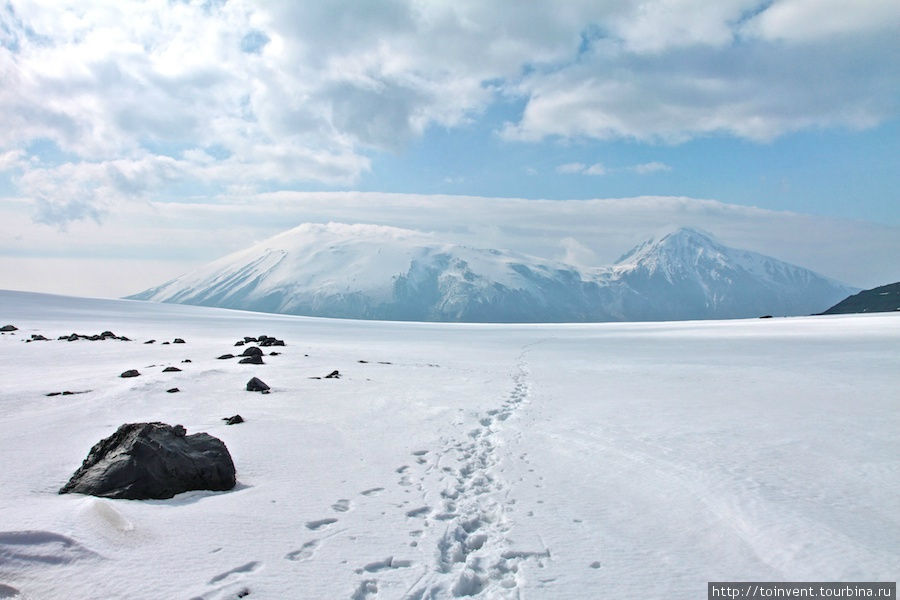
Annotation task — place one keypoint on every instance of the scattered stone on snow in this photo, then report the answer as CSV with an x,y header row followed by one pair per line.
x,y
234,420
150,342
257,385
252,351
252,360
153,461
226,356
171,370
178,341
172,391
333,375
7,328
130,373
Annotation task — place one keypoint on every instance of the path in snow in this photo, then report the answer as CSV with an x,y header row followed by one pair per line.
x,y
458,520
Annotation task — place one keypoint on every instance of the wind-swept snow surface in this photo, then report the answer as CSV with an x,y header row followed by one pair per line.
x,y
376,272
488,461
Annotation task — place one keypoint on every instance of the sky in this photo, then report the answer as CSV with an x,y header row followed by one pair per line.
x,y
141,139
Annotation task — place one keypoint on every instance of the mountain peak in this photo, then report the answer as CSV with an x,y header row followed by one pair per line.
x,y
683,240
379,272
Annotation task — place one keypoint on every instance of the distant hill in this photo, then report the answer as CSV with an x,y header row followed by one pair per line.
x,y
375,272
885,298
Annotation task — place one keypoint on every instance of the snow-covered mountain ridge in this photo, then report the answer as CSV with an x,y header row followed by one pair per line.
x,y
377,272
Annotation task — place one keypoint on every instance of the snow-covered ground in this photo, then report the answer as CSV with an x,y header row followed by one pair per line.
x,y
500,461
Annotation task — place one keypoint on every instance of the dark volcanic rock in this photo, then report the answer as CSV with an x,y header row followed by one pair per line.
x,y
107,334
333,375
252,360
226,356
178,341
187,360
171,370
150,342
153,460
239,343
274,353
257,385
172,390
38,337
252,351
7,328
247,339
130,373
233,420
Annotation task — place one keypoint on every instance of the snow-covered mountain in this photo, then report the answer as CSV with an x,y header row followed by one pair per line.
x,y
376,272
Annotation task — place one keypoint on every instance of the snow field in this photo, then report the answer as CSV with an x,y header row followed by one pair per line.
x,y
526,461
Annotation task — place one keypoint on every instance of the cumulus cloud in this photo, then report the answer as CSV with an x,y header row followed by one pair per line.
x,y
290,92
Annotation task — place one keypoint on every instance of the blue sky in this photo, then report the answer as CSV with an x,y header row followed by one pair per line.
x,y
121,118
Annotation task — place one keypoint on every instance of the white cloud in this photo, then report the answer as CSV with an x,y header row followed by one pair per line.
x,y
806,20
650,167
577,168
289,92
571,168
13,159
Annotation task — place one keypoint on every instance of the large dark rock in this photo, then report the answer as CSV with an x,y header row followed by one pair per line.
x,y
257,385
130,373
153,460
252,351
6,328
252,360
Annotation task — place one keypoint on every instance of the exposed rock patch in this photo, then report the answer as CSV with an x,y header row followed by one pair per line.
x,y
257,385
153,460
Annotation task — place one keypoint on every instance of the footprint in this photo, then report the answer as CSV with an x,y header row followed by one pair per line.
x,y
372,491
319,524
420,453
305,552
401,469
247,568
418,512
366,589
388,563
342,505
